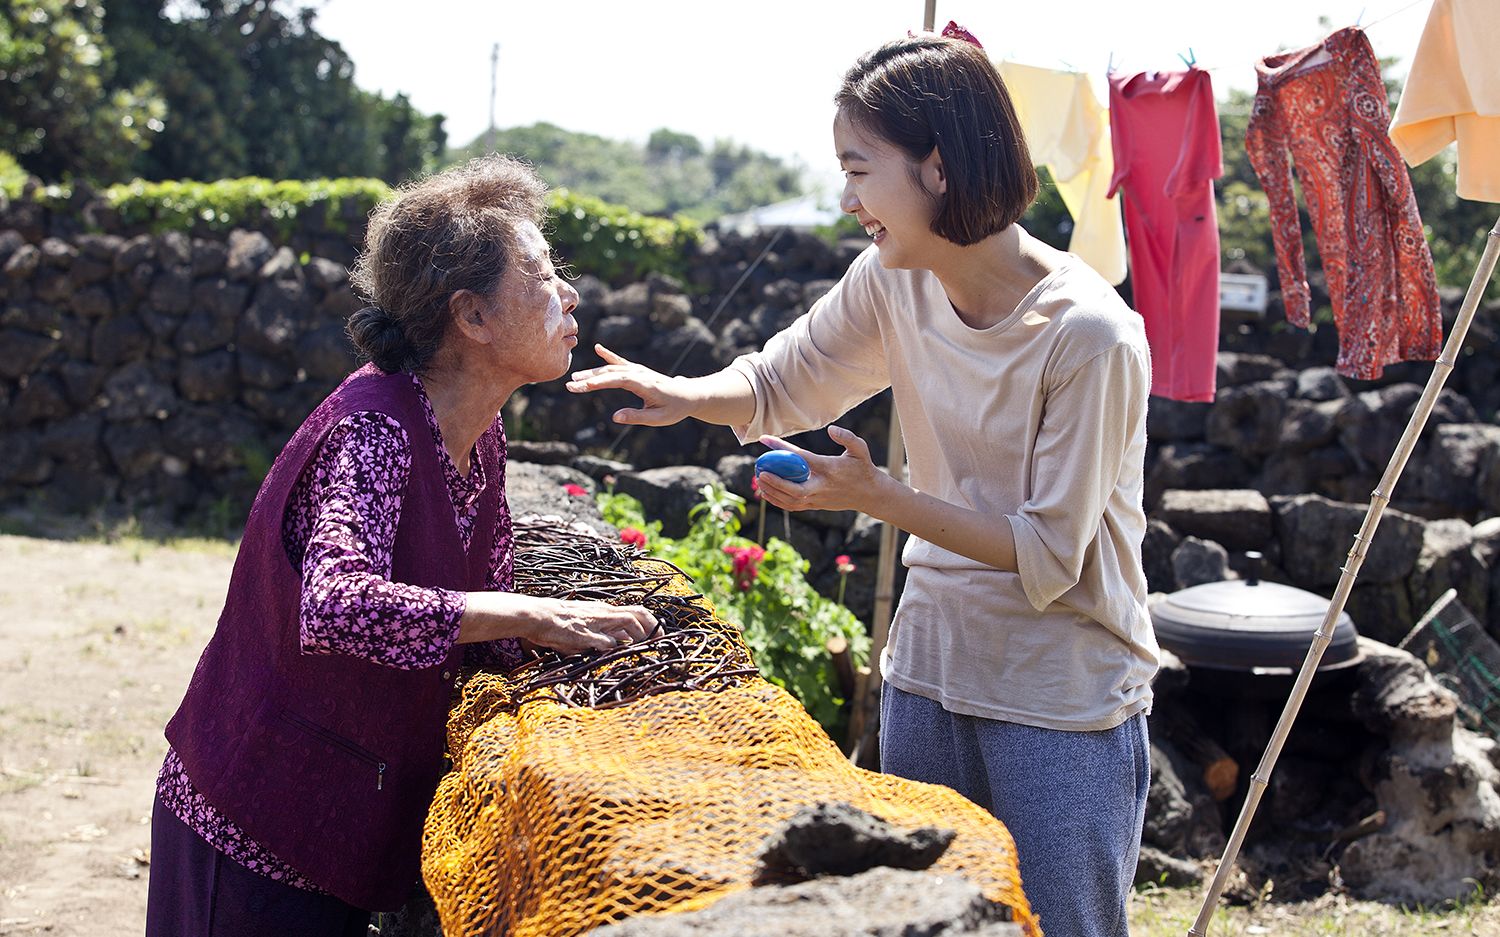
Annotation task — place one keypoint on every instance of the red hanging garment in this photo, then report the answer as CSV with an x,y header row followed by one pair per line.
x,y
1324,108
1165,133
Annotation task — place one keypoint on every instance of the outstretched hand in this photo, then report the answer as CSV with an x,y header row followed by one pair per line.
x,y
664,400
847,482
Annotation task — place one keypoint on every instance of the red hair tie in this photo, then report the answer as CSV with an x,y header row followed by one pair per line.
x,y
953,31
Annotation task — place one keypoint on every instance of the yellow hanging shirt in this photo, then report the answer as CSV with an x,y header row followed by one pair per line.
x,y
1068,132
1453,93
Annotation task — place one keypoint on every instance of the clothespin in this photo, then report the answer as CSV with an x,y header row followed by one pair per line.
x,y
1110,68
1190,59
1361,17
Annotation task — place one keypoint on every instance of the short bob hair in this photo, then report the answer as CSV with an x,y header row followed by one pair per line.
x,y
452,231
929,91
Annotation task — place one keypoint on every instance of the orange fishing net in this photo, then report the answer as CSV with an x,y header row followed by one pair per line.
x,y
559,817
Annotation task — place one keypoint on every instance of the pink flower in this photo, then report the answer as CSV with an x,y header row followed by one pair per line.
x,y
576,491
634,535
755,487
844,564
746,565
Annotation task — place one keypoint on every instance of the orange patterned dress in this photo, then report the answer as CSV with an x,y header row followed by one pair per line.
x,y
1324,108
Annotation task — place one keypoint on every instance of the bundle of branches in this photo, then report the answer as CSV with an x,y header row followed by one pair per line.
x,y
689,649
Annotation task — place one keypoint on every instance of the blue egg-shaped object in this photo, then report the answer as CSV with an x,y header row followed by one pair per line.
x,y
788,465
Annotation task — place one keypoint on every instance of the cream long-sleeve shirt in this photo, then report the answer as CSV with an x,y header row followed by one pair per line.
x,y
1067,130
1039,421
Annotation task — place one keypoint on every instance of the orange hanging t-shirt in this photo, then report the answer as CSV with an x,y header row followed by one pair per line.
x,y
1453,94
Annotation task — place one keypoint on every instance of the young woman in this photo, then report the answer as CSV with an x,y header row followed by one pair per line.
x,y
379,549
1020,661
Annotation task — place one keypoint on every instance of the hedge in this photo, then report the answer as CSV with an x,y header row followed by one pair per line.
x,y
609,241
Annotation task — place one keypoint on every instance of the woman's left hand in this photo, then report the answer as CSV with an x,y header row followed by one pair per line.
x,y
847,482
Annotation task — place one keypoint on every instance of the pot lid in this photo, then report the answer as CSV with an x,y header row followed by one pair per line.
x,y
1250,625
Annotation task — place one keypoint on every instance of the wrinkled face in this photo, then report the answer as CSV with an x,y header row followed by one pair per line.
x,y
535,308
883,191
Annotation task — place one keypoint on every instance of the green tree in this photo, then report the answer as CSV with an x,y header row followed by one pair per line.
x,y
252,89
61,114
673,174
670,145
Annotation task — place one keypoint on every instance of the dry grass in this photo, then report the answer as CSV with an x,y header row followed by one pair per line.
x,y
1170,912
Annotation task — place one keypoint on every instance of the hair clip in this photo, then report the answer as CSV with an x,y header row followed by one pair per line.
x,y
951,31
955,31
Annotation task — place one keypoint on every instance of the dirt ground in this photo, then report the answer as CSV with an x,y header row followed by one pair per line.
x,y
98,636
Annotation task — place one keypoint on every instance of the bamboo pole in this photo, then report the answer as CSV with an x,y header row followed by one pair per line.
x,y
862,716
862,719
1378,501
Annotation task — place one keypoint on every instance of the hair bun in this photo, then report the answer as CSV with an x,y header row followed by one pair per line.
x,y
378,336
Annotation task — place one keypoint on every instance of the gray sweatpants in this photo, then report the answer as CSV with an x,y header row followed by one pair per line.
x,y
1074,801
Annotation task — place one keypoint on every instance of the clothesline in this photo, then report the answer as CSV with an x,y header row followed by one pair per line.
x,y
1070,67
1170,148
1396,12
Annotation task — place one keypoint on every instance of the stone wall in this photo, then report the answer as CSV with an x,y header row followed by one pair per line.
x,y
163,372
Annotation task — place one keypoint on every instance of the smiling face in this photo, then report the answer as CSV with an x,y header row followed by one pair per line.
x,y
894,198
534,328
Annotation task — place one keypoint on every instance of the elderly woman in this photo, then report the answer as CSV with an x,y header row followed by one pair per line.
x,y
377,555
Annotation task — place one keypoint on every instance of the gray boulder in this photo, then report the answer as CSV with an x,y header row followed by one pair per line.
x,y
1240,519
1196,562
1316,534
882,902
248,252
669,493
541,490
1247,419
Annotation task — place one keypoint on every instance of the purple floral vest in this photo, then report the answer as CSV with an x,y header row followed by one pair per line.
x,y
329,761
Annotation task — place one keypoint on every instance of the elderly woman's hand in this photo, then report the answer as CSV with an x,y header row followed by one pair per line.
x,y
563,625
573,626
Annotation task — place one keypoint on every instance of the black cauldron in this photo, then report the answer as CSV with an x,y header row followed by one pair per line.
x,y
1254,635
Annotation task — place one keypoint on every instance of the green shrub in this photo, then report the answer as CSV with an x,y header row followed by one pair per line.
x,y
236,203
12,176
615,243
785,622
611,242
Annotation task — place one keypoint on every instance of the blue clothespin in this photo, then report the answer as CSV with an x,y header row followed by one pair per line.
x,y
1110,68
1190,59
1361,17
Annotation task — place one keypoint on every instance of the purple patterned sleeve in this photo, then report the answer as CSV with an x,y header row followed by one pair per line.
x,y
349,603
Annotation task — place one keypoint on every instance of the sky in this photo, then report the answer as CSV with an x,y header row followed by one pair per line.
x,y
763,72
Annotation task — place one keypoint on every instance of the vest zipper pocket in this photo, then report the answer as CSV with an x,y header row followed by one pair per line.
x,y
337,741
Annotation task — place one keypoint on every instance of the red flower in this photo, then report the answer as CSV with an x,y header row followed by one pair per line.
x,y
577,491
844,564
755,487
746,565
634,535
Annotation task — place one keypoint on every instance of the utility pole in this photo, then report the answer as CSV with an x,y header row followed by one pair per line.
x,y
489,143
